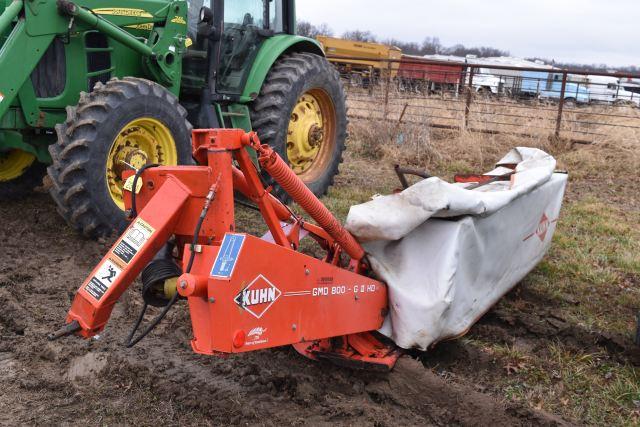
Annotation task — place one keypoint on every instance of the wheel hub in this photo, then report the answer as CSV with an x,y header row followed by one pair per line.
x,y
305,133
316,136
129,157
138,143
14,163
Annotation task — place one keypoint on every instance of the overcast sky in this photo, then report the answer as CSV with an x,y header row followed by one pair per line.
x,y
582,31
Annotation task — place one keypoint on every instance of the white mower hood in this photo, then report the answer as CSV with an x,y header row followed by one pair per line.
x,y
448,253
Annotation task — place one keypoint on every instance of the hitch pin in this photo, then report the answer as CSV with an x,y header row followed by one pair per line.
x,y
127,164
66,330
211,196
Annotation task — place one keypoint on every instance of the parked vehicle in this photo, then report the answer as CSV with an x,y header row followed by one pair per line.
x,y
548,86
484,82
630,84
92,88
608,90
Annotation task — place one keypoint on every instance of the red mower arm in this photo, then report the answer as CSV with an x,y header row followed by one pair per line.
x,y
97,296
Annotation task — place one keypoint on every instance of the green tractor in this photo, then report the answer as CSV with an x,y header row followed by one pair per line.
x,y
90,88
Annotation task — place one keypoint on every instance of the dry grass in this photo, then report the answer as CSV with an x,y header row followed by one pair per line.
x,y
403,143
441,151
497,114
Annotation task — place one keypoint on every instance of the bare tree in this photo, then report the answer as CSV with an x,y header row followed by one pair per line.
x,y
431,46
480,52
307,29
359,35
324,30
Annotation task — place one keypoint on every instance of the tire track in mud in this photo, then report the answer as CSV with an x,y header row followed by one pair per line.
x,y
162,382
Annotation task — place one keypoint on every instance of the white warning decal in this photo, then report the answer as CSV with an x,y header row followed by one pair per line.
x,y
128,184
103,279
134,239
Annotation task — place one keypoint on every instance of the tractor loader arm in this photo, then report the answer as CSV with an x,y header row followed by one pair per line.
x,y
164,47
31,30
18,44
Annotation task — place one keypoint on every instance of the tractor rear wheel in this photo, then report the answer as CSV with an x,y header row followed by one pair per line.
x,y
20,173
301,113
125,123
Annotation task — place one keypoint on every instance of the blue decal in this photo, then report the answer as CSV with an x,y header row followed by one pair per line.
x,y
227,257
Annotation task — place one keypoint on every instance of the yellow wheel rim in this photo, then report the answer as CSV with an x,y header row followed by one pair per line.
x,y
142,141
14,163
311,134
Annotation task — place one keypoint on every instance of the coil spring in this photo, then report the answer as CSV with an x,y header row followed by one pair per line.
x,y
289,181
153,277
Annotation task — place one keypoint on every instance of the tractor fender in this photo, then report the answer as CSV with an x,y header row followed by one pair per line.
x,y
272,49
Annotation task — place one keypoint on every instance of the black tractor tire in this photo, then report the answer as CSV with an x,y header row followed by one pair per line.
x,y
24,185
291,77
80,156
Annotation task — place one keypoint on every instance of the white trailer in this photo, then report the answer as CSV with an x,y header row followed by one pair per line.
x,y
609,90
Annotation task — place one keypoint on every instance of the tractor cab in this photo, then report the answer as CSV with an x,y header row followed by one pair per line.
x,y
226,37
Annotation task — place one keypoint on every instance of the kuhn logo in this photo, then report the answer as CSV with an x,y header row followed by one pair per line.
x,y
258,297
543,228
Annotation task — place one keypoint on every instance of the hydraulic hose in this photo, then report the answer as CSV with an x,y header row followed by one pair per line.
x,y
134,212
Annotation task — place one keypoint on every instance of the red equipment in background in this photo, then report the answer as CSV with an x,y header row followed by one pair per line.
x,y
244,293
418,69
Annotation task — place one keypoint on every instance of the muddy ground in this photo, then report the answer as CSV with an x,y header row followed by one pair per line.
x,y
161,381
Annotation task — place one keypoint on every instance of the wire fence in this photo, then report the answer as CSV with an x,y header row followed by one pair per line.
x,y
573,104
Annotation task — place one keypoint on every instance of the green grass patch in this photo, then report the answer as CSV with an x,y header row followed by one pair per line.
x,y
588,387
595,262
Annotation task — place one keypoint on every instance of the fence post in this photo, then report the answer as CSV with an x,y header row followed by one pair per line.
x,y
467,108
561,103
386,90
372,74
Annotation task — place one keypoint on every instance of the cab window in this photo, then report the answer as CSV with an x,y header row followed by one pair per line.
x,y
245,30
244,12
276,16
